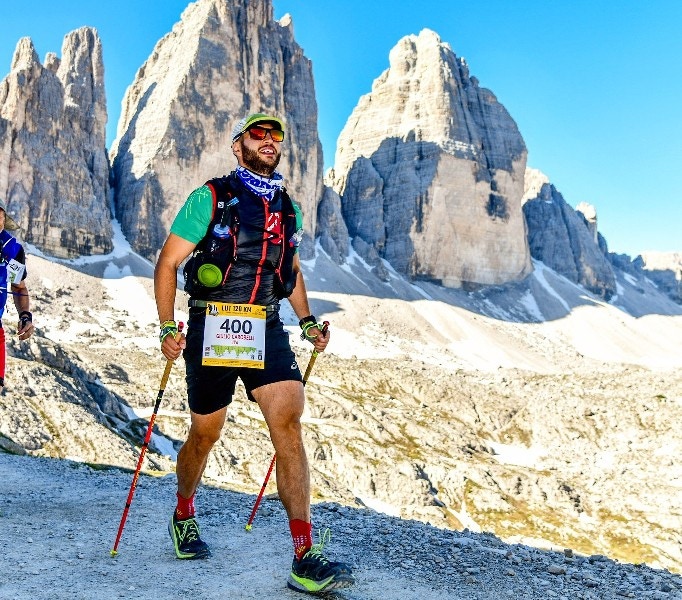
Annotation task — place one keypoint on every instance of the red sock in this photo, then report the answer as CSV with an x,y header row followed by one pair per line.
x,y
185,507
302,534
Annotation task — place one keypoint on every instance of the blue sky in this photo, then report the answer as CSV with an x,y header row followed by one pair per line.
x,y
595,87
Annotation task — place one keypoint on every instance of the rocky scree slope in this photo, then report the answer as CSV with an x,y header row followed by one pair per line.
x,y
61,521
577,453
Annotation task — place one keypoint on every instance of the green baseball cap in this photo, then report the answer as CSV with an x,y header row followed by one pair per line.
x,y
251,120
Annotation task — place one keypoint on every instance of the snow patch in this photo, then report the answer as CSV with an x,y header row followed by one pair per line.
x,y
517,455
529,302
129,295
539,274
630,279
380,506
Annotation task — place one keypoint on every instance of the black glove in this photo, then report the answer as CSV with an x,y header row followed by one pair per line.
x,y
25,317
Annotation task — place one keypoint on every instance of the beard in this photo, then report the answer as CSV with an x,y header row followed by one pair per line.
x,y
253,161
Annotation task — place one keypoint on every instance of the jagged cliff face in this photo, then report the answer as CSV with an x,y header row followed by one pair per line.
x,y
665,269
54,169
220,62
429,168
568,241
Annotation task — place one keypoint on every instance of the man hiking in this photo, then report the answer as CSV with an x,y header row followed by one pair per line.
x,y
12,281
243,232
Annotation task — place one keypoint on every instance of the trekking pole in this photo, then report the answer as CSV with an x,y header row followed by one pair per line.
x,y
143,450
309,368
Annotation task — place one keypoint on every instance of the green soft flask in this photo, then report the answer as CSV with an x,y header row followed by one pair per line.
x,y
209,275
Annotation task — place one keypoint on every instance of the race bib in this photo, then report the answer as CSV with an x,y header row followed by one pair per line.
x,y
234,336
15,271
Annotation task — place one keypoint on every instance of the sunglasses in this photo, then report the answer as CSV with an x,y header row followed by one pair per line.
x,y
260,133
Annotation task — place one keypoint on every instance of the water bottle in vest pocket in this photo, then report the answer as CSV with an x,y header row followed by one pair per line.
x,y
211,261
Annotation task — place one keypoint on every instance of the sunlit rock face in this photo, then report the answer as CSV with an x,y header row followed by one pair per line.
x,y
220,62
430,171
54,169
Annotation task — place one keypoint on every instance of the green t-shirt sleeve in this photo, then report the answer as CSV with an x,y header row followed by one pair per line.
x,y
192,222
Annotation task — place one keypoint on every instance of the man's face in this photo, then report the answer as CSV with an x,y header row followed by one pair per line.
x,y
259,156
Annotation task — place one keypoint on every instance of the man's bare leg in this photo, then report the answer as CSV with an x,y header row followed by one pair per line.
x,y
204,432
282,406
183,528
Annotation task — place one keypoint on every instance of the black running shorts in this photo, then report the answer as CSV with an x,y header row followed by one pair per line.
x,y
211,388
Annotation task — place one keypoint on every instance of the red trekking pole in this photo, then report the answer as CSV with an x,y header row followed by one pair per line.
x,y
311,362
143,450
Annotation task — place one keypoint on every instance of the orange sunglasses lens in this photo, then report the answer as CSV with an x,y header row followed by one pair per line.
x,y
260,133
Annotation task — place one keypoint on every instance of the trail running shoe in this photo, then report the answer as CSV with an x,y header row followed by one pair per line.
x,y
315,573
186,540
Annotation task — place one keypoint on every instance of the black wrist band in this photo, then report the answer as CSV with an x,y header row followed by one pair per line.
x,y
308,319
25,314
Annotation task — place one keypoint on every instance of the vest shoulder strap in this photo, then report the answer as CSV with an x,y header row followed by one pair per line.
x,y
287,202
224,200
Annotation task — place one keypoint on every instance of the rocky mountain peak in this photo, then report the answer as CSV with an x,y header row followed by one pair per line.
x,y
429,170
52,132
25,55
533,181
568,242
589,213
220,62
425,78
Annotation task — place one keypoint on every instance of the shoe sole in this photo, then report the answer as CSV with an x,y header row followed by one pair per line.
x,y
202,554
335,582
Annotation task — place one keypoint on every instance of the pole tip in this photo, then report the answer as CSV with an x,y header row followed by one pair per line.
x,y
248,527
114,553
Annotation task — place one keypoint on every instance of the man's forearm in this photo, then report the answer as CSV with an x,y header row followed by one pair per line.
x,y
21,298
299,298
165,284
174,251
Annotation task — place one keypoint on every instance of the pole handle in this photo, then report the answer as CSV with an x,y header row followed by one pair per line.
x,y
169,362
314,355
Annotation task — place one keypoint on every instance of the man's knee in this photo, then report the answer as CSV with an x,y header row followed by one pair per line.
x,y
287,436
203,439
205,431
287,422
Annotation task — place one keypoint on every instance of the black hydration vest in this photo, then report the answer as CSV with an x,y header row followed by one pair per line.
x,y
239,260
